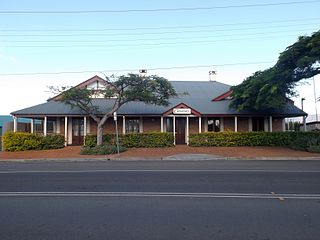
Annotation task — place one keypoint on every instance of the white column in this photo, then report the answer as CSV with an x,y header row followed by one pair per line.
x,y
84,126
161,124
283,124
32,125
266,127
200,130
66,130
70,126
187,130
236,124
15,124
174,130
141,125
123,124
250,124
221,124
270,123
304,124
45,126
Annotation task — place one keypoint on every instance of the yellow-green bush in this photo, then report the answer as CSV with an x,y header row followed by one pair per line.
x,y
137,140
91,140
21,141
297,140
147,140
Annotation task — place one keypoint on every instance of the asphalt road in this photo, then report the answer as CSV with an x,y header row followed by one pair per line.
x,y
160,200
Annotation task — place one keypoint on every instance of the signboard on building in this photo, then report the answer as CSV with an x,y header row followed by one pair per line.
x,y
182,111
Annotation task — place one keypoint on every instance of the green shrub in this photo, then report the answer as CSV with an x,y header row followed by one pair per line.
x,y
147,140
101,150
296,140
314,149
309,142
137,140
91,140
21,141
52,142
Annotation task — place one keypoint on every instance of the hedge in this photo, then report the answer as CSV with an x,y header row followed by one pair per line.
x,y
135,140
21,141
297,140
101,150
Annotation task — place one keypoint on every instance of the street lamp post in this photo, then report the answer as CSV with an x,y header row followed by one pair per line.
x,y
303,117
117,133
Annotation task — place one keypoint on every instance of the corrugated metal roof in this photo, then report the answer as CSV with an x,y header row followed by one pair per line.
x,y
195,94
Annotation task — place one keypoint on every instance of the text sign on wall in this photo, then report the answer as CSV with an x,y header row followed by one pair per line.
x,y
181,111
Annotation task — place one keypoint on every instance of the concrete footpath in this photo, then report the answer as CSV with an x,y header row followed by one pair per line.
x,y
180,152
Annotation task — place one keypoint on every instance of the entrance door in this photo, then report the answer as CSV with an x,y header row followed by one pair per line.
x,y
77,131
180,130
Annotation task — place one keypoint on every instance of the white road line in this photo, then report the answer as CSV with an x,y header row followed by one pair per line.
x,y
161,194
162,170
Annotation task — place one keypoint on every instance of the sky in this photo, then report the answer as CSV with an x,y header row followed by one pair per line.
x,y
63,43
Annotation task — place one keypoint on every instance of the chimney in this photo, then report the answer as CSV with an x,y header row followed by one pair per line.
x,y
212,75
143,72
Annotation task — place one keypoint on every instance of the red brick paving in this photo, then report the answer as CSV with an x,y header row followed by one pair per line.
x,y
248,152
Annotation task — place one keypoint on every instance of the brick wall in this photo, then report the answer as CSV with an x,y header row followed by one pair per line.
x,y
243,124
204,122
108,127
151,124
228,124
277,125
193,125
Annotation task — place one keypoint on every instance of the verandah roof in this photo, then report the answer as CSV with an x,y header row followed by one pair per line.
x,y
199,96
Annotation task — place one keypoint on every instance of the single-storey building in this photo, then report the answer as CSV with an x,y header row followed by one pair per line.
x,y
200,107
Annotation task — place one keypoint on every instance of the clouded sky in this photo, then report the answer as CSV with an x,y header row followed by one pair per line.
x,y
62,43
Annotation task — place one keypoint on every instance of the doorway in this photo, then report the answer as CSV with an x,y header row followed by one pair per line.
x,y
258,124
77,131
180,130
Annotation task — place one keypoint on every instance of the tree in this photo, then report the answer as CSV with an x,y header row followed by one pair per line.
x,y
148,89
269,89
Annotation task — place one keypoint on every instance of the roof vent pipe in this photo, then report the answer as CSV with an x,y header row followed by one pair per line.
x,y
143,72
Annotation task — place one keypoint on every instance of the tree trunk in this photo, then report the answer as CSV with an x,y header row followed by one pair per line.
x,y
99,134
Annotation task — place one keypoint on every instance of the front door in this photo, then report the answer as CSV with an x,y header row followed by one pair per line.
x,y
77,131
180,130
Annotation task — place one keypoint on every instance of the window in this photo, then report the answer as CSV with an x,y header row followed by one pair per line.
x,y
169,124
50,126
213,125
132,125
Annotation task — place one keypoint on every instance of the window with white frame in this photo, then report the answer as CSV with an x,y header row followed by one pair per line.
x,y
213,124
132,125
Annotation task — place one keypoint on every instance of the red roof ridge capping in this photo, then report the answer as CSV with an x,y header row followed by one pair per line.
x,y
182,105
223,96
